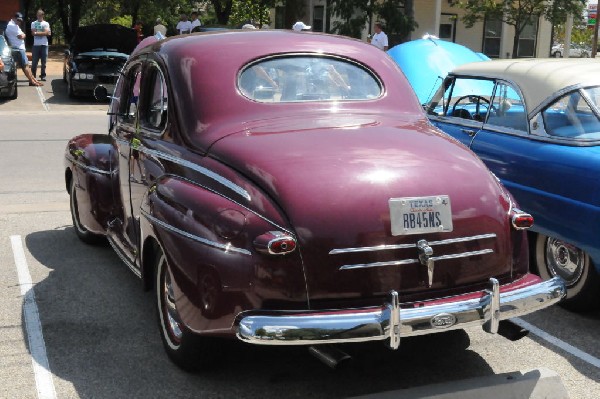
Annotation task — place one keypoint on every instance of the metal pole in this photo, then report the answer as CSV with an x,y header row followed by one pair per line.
x,y
595,41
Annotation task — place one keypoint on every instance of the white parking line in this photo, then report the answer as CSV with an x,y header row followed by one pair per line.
x,y
578,353
42,98
37,347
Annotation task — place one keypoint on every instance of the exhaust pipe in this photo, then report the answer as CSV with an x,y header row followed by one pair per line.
x,y
330,355
511,331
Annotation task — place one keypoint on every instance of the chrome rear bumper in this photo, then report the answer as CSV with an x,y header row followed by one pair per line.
x,y
484,309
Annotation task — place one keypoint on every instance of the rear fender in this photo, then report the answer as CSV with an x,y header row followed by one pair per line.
x,y
202,234
91,163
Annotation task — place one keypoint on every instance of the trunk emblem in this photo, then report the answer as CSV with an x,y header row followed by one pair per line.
x,y
425,253
443,320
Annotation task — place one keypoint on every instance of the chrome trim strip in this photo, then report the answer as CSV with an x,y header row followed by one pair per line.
x,y
225,248
114,246
409,261
206,172
264,327
406,246
232,200
90,168
379,264
462,255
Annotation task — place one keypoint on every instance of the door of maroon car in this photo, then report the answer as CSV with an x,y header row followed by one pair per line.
x,y
124,233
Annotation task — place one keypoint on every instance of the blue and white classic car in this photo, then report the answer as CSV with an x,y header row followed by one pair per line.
x,y
536,125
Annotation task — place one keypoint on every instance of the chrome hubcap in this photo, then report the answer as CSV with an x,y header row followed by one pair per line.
x,y
565,260
169,308
75,211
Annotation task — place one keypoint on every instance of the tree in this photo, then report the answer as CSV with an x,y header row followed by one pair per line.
x,y
518,13
353,16
250,11
399,23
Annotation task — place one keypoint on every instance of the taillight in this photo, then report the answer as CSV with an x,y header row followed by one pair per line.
x,y
275,243
520,220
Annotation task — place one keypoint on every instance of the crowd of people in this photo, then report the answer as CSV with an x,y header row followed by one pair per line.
x,y
40,30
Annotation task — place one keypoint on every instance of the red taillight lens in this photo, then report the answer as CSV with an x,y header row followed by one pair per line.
x,y
275,243
521,220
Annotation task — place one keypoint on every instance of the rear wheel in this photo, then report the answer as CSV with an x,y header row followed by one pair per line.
x,y
15,91
84,234
187,350
557,258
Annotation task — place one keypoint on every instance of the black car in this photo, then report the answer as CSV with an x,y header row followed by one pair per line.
x,y
96,55
8,77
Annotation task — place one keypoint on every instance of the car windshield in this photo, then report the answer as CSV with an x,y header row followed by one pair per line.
x,y
4,49
307,78
575,115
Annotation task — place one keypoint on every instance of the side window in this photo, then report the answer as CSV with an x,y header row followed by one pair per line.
x,y
572,117
131,93
508,109
468,98
155,105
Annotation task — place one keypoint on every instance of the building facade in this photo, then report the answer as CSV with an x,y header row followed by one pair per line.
x,y
441,19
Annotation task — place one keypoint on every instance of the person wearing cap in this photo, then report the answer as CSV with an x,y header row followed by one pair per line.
x,y
379,39
16,39
160,28
248,27
40,30
300,26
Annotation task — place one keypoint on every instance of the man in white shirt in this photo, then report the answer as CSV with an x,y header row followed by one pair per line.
x,y
160,28
16,40
40,30
379,39
184,26
195,21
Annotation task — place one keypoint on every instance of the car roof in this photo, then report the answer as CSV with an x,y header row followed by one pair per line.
x,y
538,79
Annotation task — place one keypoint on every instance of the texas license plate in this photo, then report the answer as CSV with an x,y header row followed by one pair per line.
x,y
418,215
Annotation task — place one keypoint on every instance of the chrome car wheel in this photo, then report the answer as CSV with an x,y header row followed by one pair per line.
x,y
564,260
84,234
185,348
170,321
555,257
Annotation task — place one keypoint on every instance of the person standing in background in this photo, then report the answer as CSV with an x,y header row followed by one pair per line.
x,y
16,40
138,31
40,30
160,28
379,39
184,26
196,23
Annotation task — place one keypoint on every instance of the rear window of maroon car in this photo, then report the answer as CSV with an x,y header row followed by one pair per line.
x,y
307,78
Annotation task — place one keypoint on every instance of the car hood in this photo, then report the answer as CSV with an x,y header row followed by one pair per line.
x,y
334,185
107,37
426,62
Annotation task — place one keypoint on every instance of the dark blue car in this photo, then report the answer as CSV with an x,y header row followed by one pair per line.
x,y
536,125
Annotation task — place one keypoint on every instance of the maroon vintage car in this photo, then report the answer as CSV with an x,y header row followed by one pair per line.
x,y
286,188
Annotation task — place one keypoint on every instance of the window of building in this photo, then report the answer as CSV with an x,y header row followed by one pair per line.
x,y
280,17
318,22
447,27
492,29
527,40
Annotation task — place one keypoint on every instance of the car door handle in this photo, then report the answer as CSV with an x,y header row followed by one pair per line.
x,y
470,132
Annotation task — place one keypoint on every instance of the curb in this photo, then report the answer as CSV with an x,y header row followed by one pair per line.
x,y
541,383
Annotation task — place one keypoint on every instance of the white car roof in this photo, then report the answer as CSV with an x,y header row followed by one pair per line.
x,y
539,79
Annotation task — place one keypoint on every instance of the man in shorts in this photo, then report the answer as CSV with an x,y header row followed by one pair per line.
x,y
16,39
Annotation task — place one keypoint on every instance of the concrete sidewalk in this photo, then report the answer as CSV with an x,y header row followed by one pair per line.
x,y
539,383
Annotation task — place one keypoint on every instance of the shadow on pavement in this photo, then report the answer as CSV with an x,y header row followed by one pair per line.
x,y
102,337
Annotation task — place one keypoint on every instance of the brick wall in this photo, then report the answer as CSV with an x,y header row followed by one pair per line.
x,y
8,9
